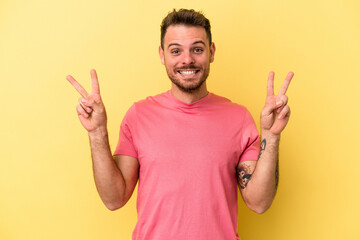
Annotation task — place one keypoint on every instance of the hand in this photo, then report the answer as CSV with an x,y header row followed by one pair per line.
x,y
275,114
91,110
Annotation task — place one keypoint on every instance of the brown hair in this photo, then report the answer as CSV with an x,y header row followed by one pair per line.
x,y
188,17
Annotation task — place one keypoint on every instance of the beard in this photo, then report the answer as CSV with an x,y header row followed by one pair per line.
x,y
192,84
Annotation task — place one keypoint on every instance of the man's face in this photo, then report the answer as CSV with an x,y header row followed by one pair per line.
x,y
187,56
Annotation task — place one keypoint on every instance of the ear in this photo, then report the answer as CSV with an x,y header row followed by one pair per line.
x,y
161,54
212,52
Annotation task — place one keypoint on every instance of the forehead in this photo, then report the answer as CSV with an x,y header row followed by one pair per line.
x,y
184,35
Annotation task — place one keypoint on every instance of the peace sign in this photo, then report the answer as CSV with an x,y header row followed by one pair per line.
x,y
276,113
91,110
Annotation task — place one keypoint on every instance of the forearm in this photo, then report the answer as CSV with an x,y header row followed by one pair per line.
x,y
109,181
261,190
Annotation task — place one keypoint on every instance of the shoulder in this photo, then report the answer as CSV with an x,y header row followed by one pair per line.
x,y
152,99
149,105
229,106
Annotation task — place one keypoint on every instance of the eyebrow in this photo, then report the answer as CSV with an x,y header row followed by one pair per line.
x,y
177,44
173,44
202,42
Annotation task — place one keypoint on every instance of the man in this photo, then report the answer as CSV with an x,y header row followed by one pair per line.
x,y
187,147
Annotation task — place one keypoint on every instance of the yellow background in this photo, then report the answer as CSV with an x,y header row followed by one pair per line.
x,y
46,185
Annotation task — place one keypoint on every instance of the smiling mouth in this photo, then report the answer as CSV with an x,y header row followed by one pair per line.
x,y
187,72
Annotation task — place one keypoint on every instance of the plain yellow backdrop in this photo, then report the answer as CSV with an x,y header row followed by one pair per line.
x,y
46,184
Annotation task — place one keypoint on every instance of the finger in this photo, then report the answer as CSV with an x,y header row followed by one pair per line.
x,y
284,99
86,108
88,102
95,82
270,84
77,86
281,101
270,106
280,109
286,83
285,112
81,111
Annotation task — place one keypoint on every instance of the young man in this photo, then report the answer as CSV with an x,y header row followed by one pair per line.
x,y
188,148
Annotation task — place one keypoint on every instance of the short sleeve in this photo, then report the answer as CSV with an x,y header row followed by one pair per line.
x,y
250,139
126,144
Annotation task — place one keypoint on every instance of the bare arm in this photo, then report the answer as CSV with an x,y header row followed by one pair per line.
x,y
115,180
115,177
259,193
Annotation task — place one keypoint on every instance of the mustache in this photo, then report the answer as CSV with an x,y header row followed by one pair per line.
x,y
187,67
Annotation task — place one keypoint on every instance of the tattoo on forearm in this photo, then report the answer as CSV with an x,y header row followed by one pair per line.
x,y
262,147
244,175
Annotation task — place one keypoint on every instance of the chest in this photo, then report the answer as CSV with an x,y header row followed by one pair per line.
x,y
176,138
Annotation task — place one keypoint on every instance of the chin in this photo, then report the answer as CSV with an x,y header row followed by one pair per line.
x,y
189,88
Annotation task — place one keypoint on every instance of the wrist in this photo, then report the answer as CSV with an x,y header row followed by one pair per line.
x,y
97,133
270,137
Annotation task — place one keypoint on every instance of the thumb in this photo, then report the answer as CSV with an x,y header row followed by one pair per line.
x,y
271,104
94,102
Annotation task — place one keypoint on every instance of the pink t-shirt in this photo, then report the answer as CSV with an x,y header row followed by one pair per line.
x,y
188,154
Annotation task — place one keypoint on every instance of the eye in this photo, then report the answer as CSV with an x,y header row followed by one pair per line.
x,y
175,51
198,50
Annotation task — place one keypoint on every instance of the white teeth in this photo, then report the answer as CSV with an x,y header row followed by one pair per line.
x,y
187,72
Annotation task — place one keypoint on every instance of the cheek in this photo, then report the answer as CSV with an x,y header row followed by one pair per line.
x,y
169,66
205,60
170,61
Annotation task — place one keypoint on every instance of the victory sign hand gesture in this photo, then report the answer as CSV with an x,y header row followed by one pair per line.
x,y
275,114
91,110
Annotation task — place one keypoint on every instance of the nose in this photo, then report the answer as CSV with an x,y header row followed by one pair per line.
x,y
188,58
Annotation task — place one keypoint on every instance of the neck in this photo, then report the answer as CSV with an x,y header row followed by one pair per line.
x,y
189,97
